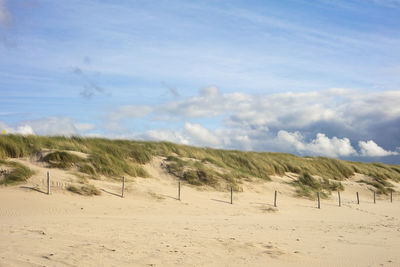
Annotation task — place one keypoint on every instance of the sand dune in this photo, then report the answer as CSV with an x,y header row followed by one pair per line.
x,y
149,227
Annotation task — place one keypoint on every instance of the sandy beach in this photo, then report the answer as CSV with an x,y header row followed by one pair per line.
x,y
150,227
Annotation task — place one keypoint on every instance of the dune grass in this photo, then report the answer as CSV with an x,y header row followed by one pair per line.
x,y
308,186
88,169
18,173
382,186
84,190
198,166
194,172
62,160
106,157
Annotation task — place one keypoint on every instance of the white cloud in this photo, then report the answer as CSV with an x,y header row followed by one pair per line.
x,y
49,126
54,126
25,130
321,145
21,129
351,109
200,136
164,135
371,149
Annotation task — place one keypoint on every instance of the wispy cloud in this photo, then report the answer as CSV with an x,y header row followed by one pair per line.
x,y
48,126
5,15
251,49
6,21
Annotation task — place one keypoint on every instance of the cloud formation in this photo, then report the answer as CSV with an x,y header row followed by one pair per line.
x,y
334,123
315,123
48,126
321,145
197,134
21,129
371,149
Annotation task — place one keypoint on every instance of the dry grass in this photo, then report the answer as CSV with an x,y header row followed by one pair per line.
x,y
17,174
62,160
84,190
308,186
195,165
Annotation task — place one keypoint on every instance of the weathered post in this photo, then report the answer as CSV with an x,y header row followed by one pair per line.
x,y
340,203
179,190
374,197
319,204
48,183
275,198
231,194
391,196
123,187
358,198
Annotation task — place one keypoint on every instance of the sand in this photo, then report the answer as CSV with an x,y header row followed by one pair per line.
x,y
150,227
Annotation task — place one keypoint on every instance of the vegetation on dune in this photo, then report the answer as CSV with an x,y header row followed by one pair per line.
x,y
18,173
88,169
308,186
197,173
198,166
382,186
106,157
62,160
84,190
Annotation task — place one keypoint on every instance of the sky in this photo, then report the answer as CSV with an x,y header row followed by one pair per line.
x,y
317,78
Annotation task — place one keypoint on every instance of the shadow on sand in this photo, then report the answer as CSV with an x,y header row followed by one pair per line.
x,y
169,196
223,201
33,189
111,193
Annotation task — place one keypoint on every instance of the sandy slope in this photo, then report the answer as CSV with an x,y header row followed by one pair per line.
x,y
149,227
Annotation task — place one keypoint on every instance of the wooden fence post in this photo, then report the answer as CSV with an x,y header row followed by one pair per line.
x,y
319,204
358,198
179,190
391,196
231,195
48,183
374,197
275,199
123,187
340,202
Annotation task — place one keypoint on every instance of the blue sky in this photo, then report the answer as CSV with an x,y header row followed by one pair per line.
x,y
307,77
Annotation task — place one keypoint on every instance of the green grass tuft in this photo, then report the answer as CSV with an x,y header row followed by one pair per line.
x,y
84,190
382,186
308,186
18,173
62,160
88,169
